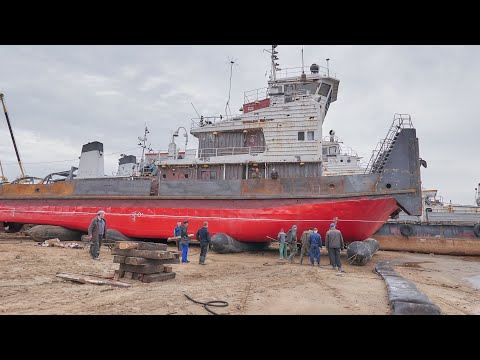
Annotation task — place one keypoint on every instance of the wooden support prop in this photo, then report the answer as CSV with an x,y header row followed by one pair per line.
x,y
158,277
168,268
142,269
149,254
119,259
83,279
139,245
176,238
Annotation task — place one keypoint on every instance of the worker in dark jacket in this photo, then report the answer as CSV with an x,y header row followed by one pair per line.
x,y
176,232
334,243
205,242
291,240
315,246
96,232
305,239
184,241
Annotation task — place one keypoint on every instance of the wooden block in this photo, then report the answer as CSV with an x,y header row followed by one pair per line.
x,y
149,254
168,268
137,276
151,246
158,277
128,275
143,261
142,269
176,238
119,259
125,245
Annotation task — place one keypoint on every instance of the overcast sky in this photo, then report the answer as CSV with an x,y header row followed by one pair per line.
x,y
61,97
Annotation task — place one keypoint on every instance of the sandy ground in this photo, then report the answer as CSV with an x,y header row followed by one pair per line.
x,y
252,283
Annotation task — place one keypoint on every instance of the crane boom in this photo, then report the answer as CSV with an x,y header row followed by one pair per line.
x,y
11,134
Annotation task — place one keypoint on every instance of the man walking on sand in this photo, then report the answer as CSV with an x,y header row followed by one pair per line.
x,y
292,242
305,239
205,242
334,243
283,245
96,232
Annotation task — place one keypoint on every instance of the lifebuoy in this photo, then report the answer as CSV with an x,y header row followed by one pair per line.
x,y
406,230
476,230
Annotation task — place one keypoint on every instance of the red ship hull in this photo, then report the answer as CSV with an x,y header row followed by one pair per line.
x,y
244,220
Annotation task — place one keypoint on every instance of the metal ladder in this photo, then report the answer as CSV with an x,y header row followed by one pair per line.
x,y
384,147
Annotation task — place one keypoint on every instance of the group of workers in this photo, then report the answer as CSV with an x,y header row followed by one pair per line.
x,y
311,244
202,235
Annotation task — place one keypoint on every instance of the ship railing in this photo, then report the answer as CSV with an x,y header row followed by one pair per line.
x,y
344,149
207,120
297,71
211,152
384,147
255,95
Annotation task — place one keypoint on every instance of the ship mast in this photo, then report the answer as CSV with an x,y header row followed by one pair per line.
x,y
274,57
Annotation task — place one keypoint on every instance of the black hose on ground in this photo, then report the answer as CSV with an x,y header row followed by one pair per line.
x,y
218,303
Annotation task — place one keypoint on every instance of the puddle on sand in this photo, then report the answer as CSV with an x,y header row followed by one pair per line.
x,y
474,280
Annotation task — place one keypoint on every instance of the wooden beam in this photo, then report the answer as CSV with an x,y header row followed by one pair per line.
x,y
142,269
149,254
83,279
151,246
119,259
158,277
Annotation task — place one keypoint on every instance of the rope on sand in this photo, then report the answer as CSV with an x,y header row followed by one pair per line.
x,y
218,303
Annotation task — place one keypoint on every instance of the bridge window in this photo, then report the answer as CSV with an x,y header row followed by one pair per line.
x,y
276,90
301,136
310,135
332,150
307,89
324,89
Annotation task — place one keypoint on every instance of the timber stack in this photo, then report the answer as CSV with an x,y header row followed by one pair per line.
x,y
144,261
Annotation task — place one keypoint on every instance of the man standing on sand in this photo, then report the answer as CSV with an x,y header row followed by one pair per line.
x,y
305,239
334,243
292,242
205,242
96,232
315,246
184,241
176,232
283,245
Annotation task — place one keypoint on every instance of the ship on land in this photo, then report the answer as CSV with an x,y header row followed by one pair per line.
x,y
267,168
442,228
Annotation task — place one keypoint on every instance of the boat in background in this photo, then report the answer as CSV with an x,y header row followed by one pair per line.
x,y
441,228
253,174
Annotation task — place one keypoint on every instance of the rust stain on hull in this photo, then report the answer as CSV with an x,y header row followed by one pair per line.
x,y
39,190
435,245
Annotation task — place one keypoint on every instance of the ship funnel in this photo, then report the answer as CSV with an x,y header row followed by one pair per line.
x,y
314,68
126,165
91,161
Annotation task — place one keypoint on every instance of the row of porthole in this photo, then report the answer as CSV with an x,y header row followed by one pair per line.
x,y
332,186
165,176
